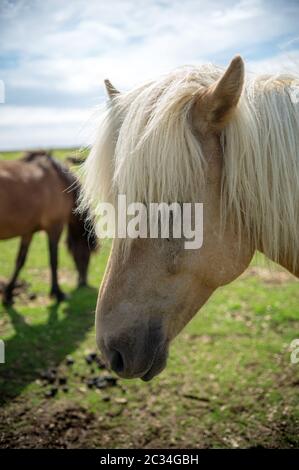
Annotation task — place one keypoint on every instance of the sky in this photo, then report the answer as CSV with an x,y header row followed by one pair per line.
x,y
55,54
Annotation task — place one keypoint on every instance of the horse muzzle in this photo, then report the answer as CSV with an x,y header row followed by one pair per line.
x,y
136,354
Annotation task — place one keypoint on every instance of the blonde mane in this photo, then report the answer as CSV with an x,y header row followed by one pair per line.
x,y
147,150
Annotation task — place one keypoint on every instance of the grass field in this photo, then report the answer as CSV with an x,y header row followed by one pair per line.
x,y
229,380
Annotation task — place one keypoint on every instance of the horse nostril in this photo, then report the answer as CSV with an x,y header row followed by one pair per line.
x,y
117,362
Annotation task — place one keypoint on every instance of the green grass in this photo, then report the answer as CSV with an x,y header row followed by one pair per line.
x,y
229,381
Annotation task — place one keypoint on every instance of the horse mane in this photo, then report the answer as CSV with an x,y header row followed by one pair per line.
x,y
41,156
33,155
146,149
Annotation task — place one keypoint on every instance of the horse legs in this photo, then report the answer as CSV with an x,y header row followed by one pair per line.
x,y
20,261
53,239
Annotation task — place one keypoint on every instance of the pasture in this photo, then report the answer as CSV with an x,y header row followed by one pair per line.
x,y
229,380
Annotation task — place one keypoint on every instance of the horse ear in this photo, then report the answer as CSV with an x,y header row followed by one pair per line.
x,y
111,91
221,99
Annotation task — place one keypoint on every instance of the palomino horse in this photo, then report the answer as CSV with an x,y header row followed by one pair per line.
x,y
199,134
38,193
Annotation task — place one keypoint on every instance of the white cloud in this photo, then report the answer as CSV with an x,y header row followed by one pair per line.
x,y
66,49
283,62
49,136
26,127
34,116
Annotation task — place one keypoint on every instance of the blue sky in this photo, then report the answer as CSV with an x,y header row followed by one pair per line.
x,y
55,54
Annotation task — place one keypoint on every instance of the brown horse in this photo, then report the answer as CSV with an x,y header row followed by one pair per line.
x,y
39,193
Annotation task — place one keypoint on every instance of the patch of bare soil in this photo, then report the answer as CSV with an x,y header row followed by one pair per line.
x,y
20,291
24,291
21,286
63,426
270,276
66,424
66,276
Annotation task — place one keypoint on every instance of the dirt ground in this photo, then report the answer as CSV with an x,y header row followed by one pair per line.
x,y
233,404
64,424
